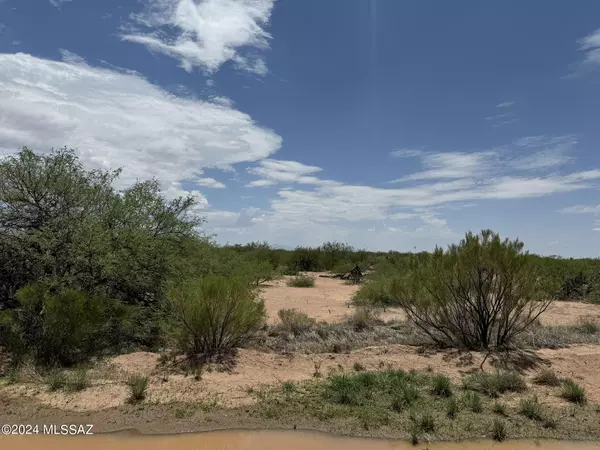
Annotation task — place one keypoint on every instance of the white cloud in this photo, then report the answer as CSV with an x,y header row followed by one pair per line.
x,y
547,151
590,45
276,171
582,209
205,34
525,154
58,3
505,104
210,183
406,153
451,165
117,119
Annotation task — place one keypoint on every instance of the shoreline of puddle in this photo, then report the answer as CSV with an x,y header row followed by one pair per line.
x,y
132,439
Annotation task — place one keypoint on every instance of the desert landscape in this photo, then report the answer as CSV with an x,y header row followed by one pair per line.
x,y
105,400
116,311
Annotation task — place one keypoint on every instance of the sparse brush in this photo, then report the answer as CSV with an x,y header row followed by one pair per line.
x,y
451,408
358,367
288,387
301,281
531,408
404,397
547,378
77,380
499,408
56,380
573,392
363,319
317,373
589,326
498,430
473,402
441,386
294,321
495,384
137,387
426,422
550,422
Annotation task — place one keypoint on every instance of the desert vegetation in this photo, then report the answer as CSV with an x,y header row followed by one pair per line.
x,y
89,272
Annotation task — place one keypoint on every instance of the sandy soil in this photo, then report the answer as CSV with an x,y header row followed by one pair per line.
x,y
256,369
327,301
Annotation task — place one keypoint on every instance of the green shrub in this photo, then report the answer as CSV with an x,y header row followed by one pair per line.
x,y
294,321
363,319
481,293
404,397
573,392
547,378
473,402
216,314
531,408
426,422
257,272
374,292
441,386
589,326
138,384
78,380
301,281
452,407
499,408
56,380
495,384
64,326
288,387
498,430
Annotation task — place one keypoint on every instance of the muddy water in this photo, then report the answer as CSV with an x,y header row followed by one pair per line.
x,y
259,440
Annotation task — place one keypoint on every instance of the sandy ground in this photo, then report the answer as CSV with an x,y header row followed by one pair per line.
x,y
327,301
255,370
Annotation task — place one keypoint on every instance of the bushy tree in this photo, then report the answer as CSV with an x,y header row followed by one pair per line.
x,y
479,294
63,326
216,314
335,253
63,223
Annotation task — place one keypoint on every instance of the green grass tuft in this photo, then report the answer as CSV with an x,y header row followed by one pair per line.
x,y
138,385
573,392
547,378
531,408
441,386
498,430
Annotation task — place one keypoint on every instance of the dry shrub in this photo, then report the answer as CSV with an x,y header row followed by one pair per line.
x,y
479,294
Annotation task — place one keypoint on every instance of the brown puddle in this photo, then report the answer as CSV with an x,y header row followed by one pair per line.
x,y
260,440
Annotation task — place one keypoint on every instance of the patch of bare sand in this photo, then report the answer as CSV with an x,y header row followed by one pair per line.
x,y
255,370
567,313
327,301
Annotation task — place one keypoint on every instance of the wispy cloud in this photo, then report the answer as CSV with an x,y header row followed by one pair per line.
x,y
406,153
505,117
590,46
531,153
210,183
505,104
205,34
582,209
59,3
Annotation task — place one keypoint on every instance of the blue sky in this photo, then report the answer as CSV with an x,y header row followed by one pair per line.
x,y
388,124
